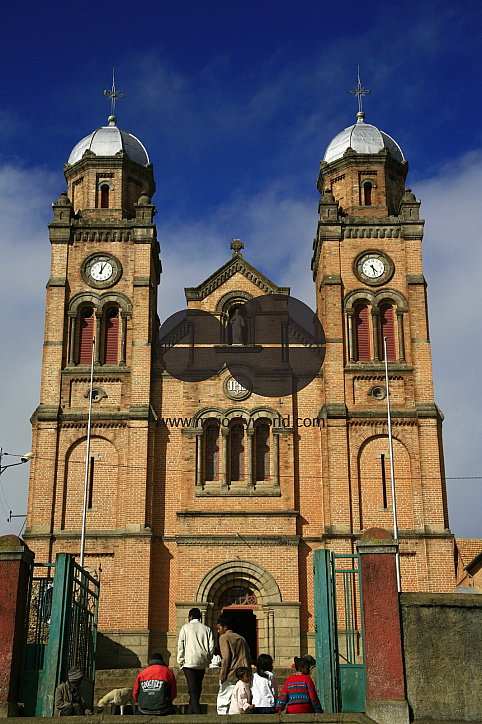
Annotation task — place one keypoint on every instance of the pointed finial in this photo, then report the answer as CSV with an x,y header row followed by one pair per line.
x,y
236,246
113,95
359,92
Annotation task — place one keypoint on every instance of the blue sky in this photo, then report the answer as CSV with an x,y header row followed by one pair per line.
x,y
236,103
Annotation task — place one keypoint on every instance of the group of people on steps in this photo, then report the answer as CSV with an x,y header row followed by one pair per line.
x,y
241,690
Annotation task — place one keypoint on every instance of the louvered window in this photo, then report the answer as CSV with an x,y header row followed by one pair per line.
x,y
86,335
362,331
112,336
387,325
237,450
211,450
261,449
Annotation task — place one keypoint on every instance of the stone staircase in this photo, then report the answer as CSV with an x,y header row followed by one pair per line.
x,y
108,679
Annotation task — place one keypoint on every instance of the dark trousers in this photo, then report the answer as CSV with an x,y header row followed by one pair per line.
x,y
194,678
73,709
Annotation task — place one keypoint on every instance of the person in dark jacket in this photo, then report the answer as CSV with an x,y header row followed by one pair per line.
x,y
68,699
155,689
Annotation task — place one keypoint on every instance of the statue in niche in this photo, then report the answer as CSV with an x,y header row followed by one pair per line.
x,y
237,325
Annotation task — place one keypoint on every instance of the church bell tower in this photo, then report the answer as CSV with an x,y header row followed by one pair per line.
x,y
367,267
105,271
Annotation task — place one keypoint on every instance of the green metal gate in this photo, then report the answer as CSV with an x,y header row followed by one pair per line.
x,y
60,632
340,653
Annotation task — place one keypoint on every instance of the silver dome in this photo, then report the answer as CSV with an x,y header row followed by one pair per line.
x,y
109,140
362,138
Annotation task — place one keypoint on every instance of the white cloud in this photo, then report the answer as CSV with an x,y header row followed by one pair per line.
x,y
25,198
452,261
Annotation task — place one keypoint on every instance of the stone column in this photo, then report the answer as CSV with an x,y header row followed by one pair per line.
x,y
223,476
98,327
199,458
73,327
351,345
376,344
249,458
271,632
401,339
122,360
275,457
15,562
385,699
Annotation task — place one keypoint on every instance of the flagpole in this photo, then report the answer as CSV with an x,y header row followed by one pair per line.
x,y
392,474
87,459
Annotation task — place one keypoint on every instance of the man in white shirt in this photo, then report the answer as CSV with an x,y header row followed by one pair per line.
x,y
195,650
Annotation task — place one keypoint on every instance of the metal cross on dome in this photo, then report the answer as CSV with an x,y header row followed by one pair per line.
x,y
113,94
359,92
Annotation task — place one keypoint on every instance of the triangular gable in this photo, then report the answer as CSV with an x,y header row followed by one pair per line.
x,y
234,265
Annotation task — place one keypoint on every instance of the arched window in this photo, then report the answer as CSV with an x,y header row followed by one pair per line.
x,y
362,333
367,193
261,449
387,325
211,450
104,196
86,335
237,450
112,336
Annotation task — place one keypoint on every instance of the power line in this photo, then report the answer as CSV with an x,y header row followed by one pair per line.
x,y
101,463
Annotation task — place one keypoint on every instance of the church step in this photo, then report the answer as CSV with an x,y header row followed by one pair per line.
x,y
108,679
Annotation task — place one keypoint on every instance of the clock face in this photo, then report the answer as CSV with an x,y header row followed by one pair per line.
x,y
373,267
101,271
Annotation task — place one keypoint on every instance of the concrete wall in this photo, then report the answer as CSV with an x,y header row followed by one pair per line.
x,y
442,641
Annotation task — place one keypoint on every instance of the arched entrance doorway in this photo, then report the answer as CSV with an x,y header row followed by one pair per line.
x,y
249,594
238,605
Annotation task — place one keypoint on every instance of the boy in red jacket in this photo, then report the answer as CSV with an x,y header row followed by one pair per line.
x,y
155,689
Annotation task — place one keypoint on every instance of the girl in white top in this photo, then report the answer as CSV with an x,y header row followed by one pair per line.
x,y
264,687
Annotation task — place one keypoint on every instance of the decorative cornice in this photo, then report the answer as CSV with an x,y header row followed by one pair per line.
x,y
333,410
237,513
234,265
378,367
100,372
56,282
227,540
329,279
75,535
416,279
358,229
141,282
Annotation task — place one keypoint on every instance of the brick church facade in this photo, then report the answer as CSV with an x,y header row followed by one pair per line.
x,y
225,513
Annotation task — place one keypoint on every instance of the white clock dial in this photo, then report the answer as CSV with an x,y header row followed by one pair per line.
x,y
373,267
101,271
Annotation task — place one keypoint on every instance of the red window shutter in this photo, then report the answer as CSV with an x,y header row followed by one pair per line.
x,y
112,337
211,436
261,442
86,335
388,330
362,328
237,451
